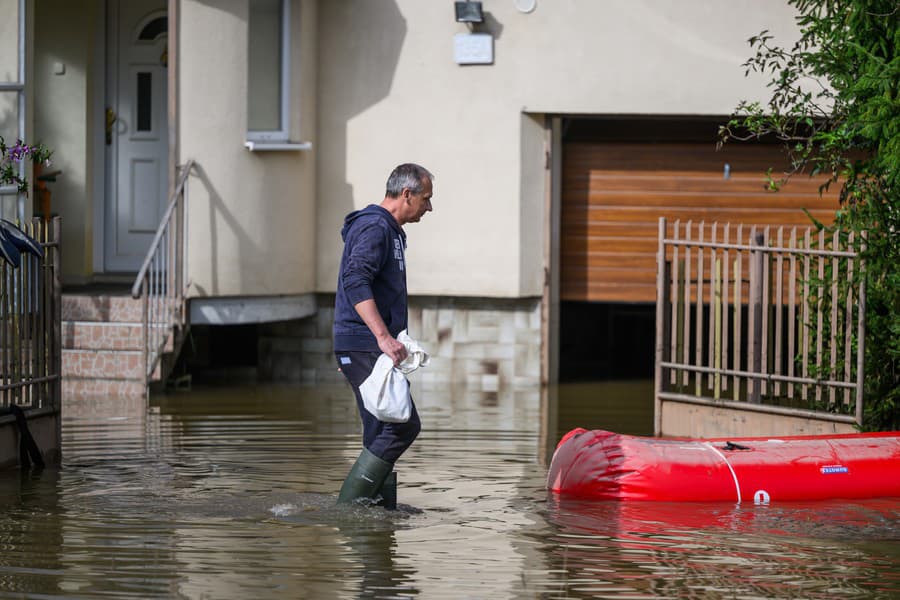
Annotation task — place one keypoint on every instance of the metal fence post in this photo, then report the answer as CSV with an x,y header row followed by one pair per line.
x,y
861,338
756,293
661,282
57,314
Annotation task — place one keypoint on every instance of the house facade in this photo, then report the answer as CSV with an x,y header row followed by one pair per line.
x,y
295,111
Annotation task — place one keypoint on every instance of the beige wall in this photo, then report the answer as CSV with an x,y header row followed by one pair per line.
x,y
389,92
251,213
376,85
64,32
534,170
252,227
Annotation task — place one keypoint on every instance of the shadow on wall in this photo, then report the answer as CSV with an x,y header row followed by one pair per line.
x,y
232,7
217,208
8,113
366,44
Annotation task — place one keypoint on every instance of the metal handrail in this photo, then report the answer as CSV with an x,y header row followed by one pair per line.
x,y
160,282
160,231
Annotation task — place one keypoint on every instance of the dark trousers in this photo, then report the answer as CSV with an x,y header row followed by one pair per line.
x,y
385,440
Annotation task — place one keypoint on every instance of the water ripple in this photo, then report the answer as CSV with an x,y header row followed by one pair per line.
x,y
231,494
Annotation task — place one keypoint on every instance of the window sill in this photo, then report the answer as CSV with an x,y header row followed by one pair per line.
x,y
278,146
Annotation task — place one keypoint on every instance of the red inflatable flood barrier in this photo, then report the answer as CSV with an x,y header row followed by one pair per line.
x,y
603,465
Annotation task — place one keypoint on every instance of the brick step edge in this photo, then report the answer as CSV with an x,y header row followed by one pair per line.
x,y
102,364
80,388
101,308
98,335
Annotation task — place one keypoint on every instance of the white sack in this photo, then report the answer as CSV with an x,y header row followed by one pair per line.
x,y
385,392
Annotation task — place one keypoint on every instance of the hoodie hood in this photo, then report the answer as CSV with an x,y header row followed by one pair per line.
x,y
372,211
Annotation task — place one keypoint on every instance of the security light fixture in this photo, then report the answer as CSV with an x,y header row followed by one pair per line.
x,y
469,12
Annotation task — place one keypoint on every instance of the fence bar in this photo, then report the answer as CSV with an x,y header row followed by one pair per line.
x,y
675,319
779,297
769,250
726,260
717,340
754,326
792,314
660,325
765,303
820,300
833,326
56,320
698,321
686,331
4,331
738,316
861,338
805,316
848,322
756,375
715,295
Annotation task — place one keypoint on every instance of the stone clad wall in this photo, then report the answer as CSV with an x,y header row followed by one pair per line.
x,y
486,343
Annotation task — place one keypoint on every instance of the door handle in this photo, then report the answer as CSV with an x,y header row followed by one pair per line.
x,y
110,119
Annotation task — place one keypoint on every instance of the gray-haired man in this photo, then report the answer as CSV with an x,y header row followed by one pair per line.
x,y
370,310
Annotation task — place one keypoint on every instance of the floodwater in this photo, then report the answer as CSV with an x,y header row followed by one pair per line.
x,y
229,492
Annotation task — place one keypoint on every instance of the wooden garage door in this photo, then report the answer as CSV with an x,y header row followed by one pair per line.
x,y
614,193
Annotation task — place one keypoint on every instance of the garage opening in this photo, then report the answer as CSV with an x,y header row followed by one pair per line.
x,y
619,175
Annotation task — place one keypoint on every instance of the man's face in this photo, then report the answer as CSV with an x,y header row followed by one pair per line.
x,y
418,204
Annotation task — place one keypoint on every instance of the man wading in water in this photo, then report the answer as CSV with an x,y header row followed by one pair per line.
x,y
370,310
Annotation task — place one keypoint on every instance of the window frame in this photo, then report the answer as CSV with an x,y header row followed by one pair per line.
x,y
18,87
282,134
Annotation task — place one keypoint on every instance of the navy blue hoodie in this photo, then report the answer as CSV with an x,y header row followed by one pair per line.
x,y
372,266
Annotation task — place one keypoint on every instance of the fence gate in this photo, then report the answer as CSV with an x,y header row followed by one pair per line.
x,y
759,330
30,349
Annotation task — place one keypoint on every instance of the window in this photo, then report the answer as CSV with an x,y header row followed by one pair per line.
x,y
12,95
154,28
268,70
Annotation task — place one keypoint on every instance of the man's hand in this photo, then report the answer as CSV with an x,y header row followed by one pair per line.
x,y
386,342
394,349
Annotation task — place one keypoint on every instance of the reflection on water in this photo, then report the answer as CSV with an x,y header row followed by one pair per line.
x,y
229,493
620,406
810,550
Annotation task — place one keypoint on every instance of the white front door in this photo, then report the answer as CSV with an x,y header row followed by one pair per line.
x,y
137,130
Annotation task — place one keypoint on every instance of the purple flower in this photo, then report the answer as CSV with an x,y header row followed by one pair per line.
x,y
19,151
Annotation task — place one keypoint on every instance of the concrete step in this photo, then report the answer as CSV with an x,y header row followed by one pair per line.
x,y
102,338
73,387
103,307
96,335
102,364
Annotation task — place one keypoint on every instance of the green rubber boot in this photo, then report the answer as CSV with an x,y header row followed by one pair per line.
x,y
365,478
389,492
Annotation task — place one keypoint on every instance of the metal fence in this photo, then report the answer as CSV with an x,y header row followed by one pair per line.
x,y
30,319
769,316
